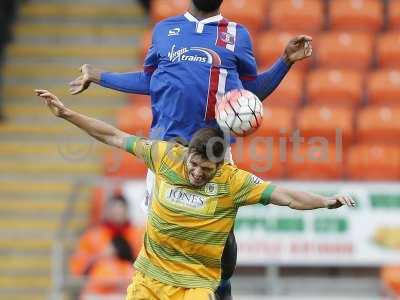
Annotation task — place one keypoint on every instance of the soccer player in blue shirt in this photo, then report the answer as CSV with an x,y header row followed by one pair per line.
x,y
193,60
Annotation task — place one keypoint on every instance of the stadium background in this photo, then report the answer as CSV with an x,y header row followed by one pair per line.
x,y
54,180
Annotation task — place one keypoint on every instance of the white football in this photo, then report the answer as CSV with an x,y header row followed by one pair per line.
x,y
239,111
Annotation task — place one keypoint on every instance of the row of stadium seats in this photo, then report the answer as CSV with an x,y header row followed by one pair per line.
x,y
372,123
346,49
311,160
306,15
338,87
339,49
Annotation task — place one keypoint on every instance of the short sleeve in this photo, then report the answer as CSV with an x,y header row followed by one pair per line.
x,y
248,189
247,67
152,152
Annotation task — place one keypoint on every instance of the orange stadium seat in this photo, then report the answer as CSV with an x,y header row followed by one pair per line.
x,y
388,49
335,87
118,163
344,49
161,9
306,15
394,14
379,124
135,118
315,162
270,45
277,122
289,91
259,156
356,15
373,162
329,122
383,87
250,13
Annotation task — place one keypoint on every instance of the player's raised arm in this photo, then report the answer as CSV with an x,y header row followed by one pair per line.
x,y
100,130
131,82
303,200
149,151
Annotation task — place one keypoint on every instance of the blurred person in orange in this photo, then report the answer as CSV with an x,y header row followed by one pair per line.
x,y
111,274
94,243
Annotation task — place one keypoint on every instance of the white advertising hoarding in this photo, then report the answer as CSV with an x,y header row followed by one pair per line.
x,y
366,235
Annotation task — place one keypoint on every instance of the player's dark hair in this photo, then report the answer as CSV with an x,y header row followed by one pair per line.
x,y
209,143
120,199
207,5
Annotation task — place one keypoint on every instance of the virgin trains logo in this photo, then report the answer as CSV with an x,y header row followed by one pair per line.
x,y
194,54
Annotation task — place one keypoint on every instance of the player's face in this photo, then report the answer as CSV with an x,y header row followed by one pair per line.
x,y
117,213
200,171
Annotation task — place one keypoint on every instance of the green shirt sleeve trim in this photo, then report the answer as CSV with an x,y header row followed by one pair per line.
x,y
266,195
130,143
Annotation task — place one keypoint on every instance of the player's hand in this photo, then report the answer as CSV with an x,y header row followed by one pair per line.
x,y
298,48
340,200
82,82
53,103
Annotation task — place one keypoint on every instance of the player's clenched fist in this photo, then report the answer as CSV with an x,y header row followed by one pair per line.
x,y
53,103
298,48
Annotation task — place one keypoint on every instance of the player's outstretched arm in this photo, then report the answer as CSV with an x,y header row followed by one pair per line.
x,y
100,130
131,82
303,200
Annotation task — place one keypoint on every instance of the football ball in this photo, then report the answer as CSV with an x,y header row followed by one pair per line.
x,y
239,111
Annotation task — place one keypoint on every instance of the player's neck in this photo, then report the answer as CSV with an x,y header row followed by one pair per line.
x,y
201,15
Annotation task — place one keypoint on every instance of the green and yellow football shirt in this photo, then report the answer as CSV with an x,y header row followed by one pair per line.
x,y
188,226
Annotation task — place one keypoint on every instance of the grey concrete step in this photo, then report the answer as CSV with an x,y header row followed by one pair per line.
x,y
140,21
113,99
21,109
29,281
27,41
114,11
28,293
63,72
42,157
83,168
27,90
71,51
61,30
43,120
114,62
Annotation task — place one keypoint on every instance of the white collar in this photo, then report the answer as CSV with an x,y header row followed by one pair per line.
x,y
191,18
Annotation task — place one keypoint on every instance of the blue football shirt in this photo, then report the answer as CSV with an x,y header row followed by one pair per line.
x,y
192,64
